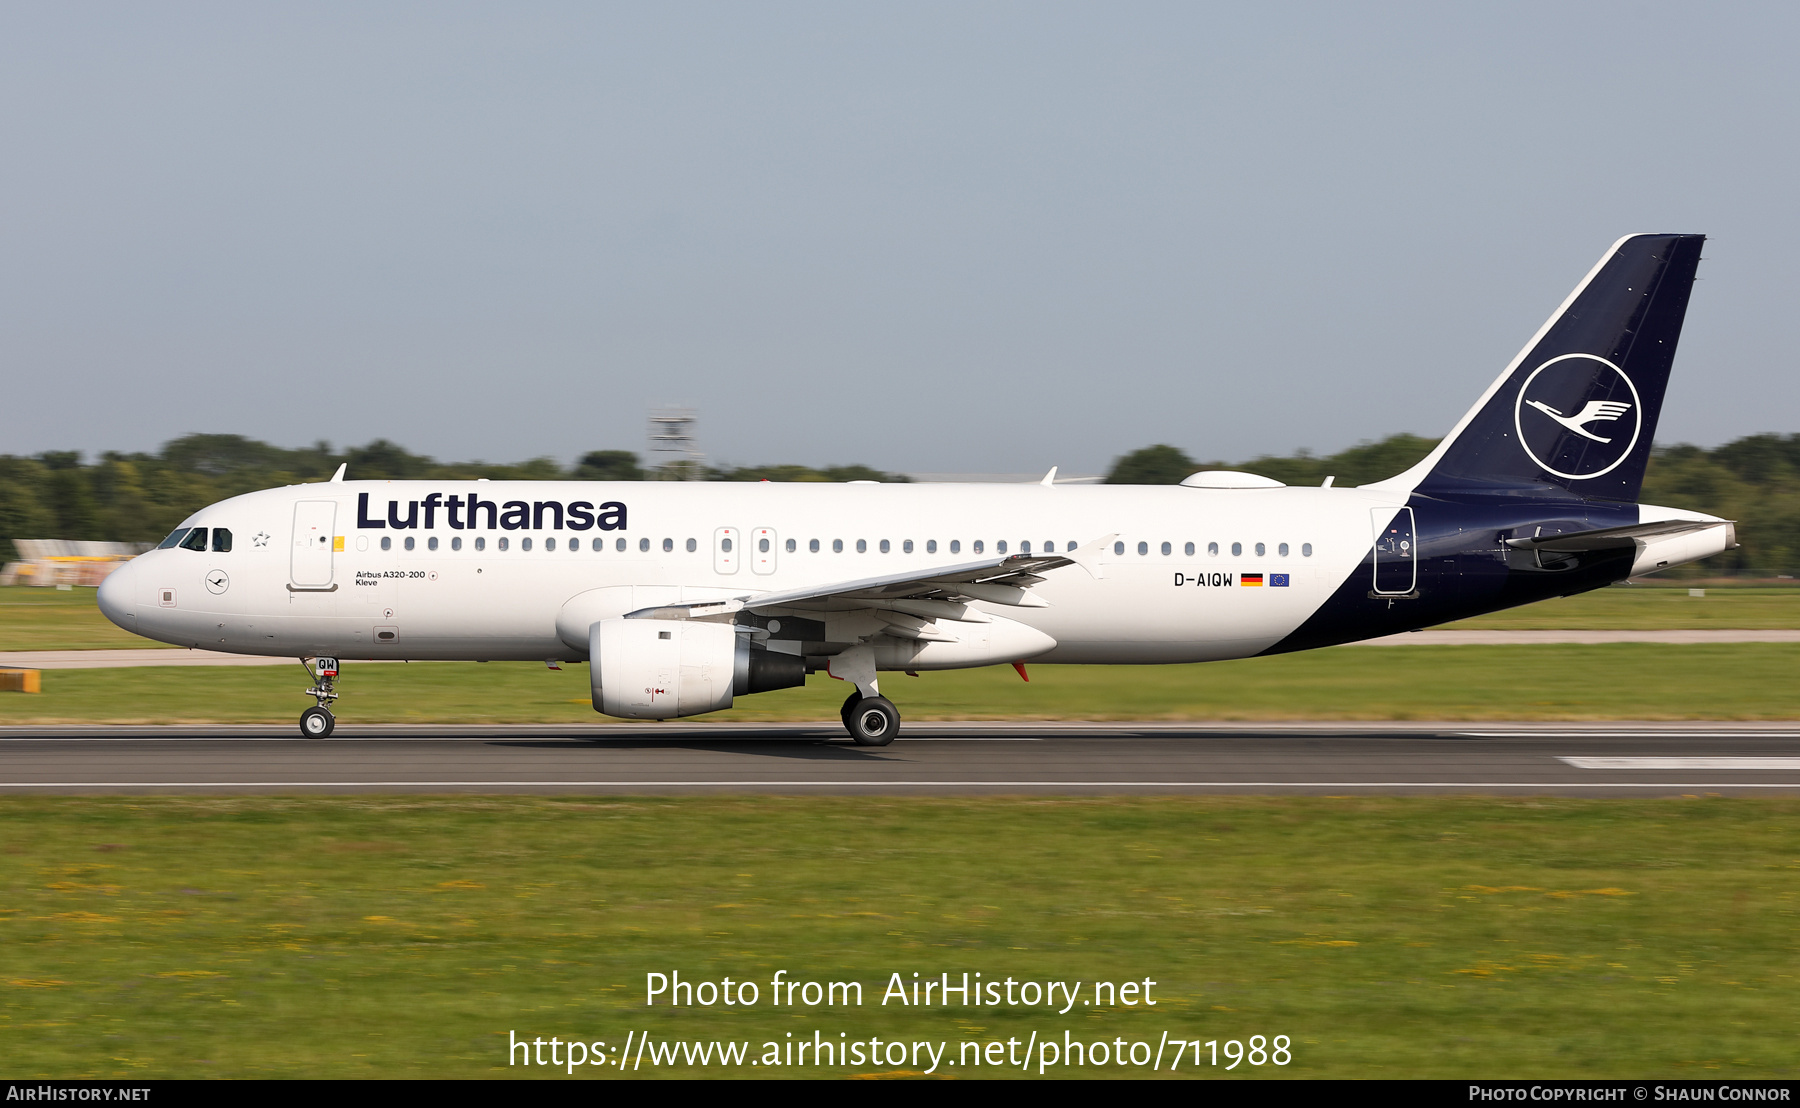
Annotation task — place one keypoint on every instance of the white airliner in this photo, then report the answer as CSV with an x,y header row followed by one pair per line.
x,y
682,596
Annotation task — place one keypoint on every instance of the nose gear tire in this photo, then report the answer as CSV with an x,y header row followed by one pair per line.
x,y
317,723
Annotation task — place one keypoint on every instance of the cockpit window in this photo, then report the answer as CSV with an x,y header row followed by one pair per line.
x,y
221,540
196,540
174,538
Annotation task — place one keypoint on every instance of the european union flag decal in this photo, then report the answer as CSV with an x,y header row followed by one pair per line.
x,y
1278,580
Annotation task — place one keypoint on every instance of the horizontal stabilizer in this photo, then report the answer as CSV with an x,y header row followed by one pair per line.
x,y
1616,538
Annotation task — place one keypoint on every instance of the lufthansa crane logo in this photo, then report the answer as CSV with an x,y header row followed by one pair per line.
x,y
1578,416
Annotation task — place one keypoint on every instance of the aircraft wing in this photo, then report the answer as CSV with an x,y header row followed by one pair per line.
x,y
1001,579
1615,538
921,595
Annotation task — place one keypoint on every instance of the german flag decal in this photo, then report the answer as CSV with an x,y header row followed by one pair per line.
x,y
1250,579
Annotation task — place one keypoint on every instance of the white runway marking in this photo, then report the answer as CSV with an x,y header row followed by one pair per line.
x,y
879,784
1683,763
1523,733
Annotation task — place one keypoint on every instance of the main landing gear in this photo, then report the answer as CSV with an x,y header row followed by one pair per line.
x,y
871,720
318,722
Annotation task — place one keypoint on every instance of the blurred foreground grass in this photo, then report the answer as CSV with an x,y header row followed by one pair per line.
x,y
1388,937
1611,681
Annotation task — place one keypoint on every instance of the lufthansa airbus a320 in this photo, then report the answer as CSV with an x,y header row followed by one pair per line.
x,y
683,596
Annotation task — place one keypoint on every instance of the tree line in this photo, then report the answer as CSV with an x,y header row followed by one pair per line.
x,y
1754,480
142,497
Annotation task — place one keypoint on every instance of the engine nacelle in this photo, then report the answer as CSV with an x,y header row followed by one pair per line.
x,y
664,668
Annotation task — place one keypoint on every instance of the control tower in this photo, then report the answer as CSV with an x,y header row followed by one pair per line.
x,y
674,445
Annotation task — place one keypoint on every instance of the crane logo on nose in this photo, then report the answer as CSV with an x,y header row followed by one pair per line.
x,y
217,582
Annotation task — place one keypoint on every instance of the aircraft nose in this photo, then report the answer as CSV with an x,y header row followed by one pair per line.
x,y
118,597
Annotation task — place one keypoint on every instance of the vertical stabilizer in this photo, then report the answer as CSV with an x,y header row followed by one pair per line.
x,y
1576,411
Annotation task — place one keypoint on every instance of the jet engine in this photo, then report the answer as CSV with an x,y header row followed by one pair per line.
x,y
664,668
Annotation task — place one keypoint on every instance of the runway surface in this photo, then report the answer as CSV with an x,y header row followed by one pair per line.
x,y
929,759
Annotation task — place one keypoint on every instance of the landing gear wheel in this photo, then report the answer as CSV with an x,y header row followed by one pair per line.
x,y
317,723
872,721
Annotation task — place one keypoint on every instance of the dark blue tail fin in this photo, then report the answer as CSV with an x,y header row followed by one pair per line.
x,y
1576,410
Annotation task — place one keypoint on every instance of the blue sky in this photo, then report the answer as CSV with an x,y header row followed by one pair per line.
x,y
988,237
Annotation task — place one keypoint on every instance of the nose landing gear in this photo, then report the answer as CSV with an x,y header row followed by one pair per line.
x,y
318,722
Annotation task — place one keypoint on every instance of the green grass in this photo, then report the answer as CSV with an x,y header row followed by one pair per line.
x,y
1388,937
34,618
48,619
1548,682
1652,608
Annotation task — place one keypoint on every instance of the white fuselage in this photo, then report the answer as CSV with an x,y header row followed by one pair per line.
x,y
276,592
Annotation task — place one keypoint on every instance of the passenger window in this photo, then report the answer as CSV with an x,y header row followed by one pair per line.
x,y
524,544
725,545
762,545
862,547
1143,548
502,545
1237,549
387,542
456,543
480,543
791,546
1188,550
906,547
1306,550
1025,547
1212,550
956,546
1167,549
196,539
693,546
599,544
837,546
174,538
221,541
668,546
1118,548
549,545
409,543
1261,550
1000,547
431,543
979,546
1282,550
931,546
884,546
